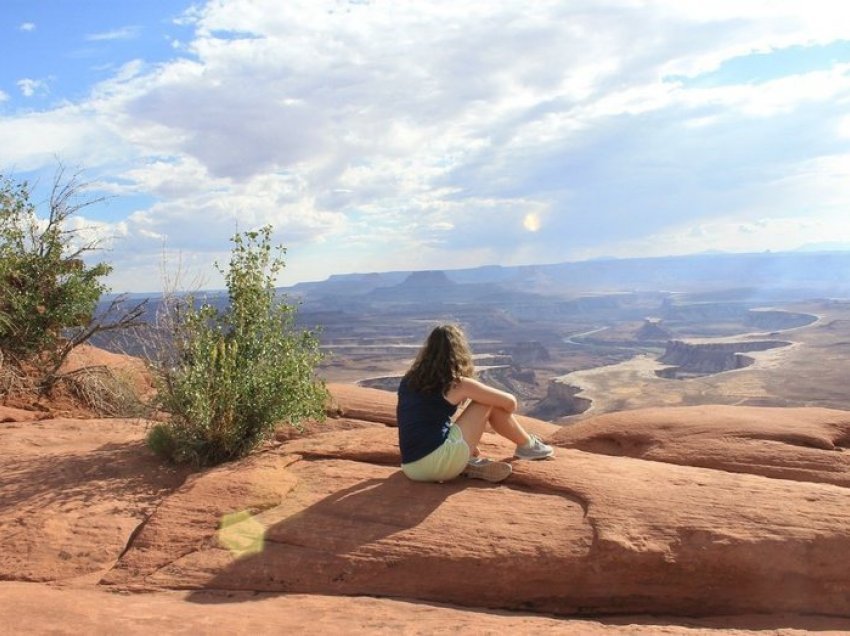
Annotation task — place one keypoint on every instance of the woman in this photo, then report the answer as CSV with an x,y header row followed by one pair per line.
x,y
433,447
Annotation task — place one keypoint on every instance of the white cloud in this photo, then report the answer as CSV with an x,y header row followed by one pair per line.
x,y
3,96
76,134
31,87
782,219
148,234
92,232
730,235
776,96
395,135
843,127
27,26
123,33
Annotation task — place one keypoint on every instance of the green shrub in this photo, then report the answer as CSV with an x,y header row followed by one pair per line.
x,y
237,373
5,321
45,287
48,294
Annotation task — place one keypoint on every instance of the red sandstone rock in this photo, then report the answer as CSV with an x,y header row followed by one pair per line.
x,y
11,414
584,533
127,367
361,403
72,493
27,608
311,428
803,444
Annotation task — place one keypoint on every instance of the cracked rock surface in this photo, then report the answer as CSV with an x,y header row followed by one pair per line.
x,y
737,516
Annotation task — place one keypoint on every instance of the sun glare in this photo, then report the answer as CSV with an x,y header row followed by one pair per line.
x,y
531,222
242,534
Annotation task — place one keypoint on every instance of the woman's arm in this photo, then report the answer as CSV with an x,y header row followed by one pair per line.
x,y
467,388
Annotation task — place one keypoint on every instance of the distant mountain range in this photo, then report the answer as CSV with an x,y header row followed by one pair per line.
x,y
767,275
786,275
707,287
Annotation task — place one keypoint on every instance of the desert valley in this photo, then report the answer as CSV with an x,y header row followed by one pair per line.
x,y
584,339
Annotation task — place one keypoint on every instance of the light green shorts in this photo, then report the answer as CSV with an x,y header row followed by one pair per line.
x,y
442,464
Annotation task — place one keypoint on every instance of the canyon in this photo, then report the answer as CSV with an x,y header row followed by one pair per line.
x,y
565,357
573,339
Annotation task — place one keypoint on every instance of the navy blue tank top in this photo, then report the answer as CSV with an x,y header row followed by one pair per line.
x,y
423,422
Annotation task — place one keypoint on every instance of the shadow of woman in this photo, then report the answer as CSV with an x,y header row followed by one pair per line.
x,y
327,544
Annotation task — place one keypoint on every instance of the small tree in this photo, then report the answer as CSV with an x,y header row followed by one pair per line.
x,y
48,294
236,373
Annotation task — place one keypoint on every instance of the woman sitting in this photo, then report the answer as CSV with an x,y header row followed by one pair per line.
x,y
435,448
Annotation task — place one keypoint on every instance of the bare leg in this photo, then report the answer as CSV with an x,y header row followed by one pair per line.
x,y
506,425
472,423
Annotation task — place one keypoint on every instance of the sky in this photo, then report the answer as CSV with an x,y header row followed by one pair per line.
x,y
383,135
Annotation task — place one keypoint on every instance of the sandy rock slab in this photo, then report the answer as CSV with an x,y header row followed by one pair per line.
x,y
359,403
802,444
11,414
39,609
581,534
72,494
593,532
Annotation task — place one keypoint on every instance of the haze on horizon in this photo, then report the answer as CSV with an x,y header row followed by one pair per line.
x,y
380,136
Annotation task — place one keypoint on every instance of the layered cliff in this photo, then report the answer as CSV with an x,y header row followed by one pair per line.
x,y
689,359
561,400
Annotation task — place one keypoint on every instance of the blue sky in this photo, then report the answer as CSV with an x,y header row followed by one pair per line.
x,y
378,135
65,47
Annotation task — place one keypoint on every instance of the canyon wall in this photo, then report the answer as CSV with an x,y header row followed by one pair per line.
x,y
688,360
561,400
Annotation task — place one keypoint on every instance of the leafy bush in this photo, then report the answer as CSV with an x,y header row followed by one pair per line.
x,y
48,294
237,373
45,285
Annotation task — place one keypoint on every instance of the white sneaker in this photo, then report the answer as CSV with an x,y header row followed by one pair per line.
x,y
535,449
487,469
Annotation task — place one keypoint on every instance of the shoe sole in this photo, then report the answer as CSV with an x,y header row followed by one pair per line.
x,y
493,472
534,457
